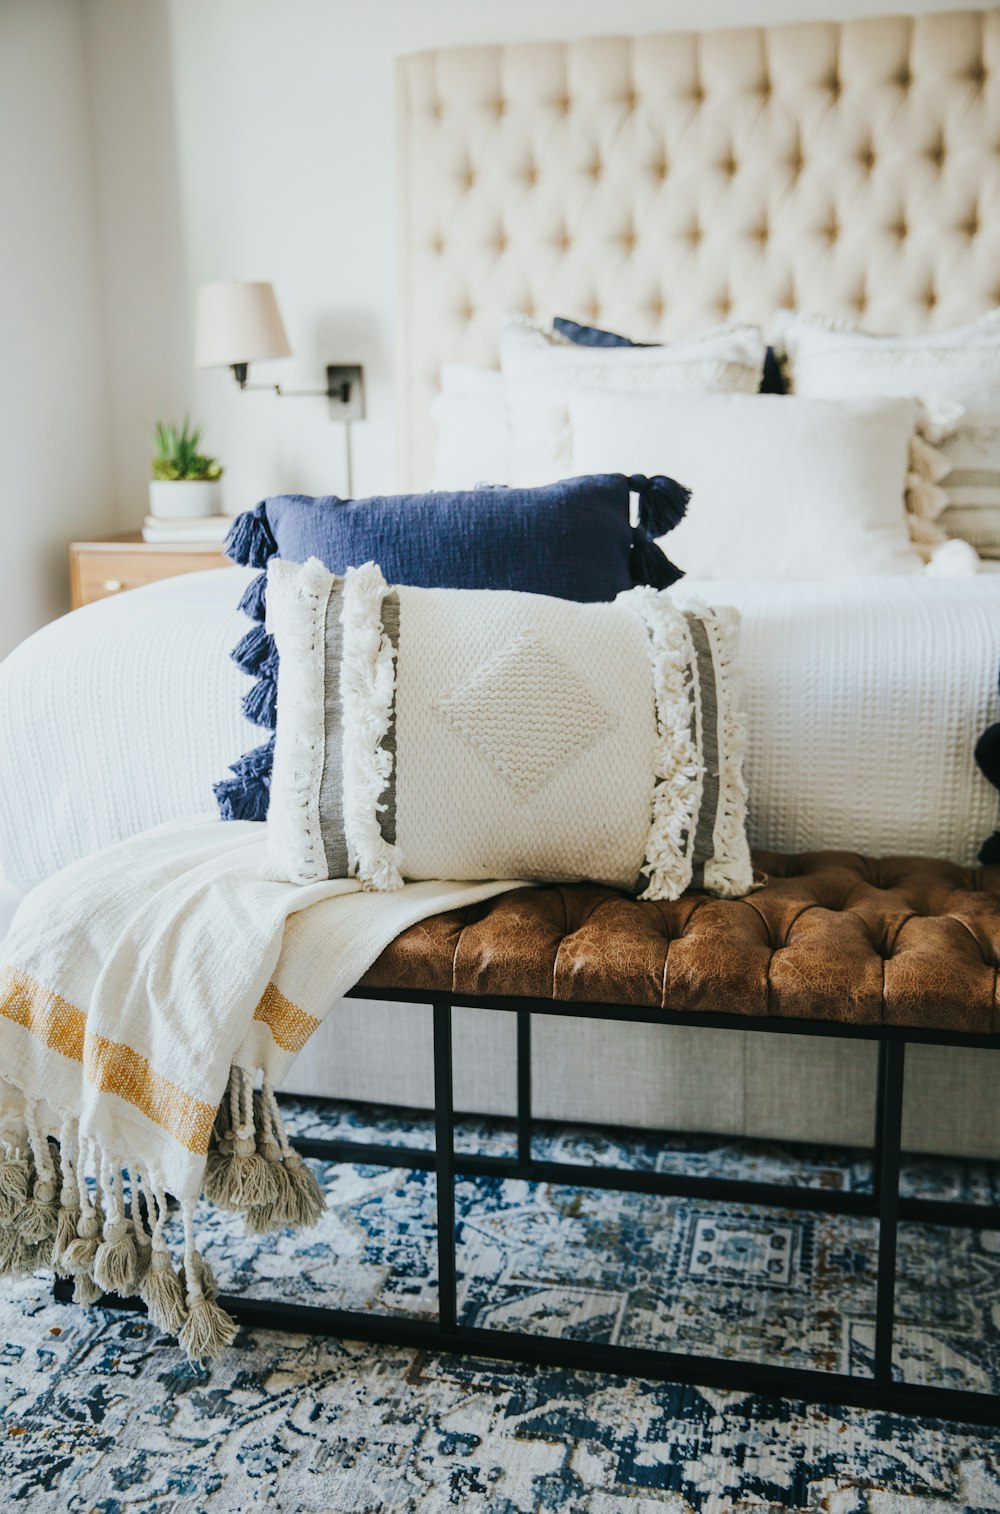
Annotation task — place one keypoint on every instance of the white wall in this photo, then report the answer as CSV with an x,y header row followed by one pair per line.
x,y
55,446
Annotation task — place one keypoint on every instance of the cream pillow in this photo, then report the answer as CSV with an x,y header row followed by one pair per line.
x,y
955,374
467,734
541,369
781,487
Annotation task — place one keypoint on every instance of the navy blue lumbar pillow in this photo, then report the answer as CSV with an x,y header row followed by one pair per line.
x,y
572,540
772,381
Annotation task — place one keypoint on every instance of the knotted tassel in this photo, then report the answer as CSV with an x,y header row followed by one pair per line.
x,y
253,650
662,502
86,1291
38,1218
254,600
206,1278
69,1197
115,1268
648,564
308,1196
236,1175
250,541
260,704
160,1288
208,1329
78,1257
14,1180
17,1256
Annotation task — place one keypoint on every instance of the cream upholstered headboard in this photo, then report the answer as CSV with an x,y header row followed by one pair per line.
x,y
665,183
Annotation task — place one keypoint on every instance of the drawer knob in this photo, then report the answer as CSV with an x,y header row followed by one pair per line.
x,y
112,586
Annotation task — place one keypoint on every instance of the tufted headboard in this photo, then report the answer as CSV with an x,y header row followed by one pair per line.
x,y
660,184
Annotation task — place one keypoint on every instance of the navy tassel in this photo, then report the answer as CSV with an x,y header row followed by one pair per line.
x,y
250,542
254,651
260,704
254,601
246,795
648,564
989,852
987,755
662,502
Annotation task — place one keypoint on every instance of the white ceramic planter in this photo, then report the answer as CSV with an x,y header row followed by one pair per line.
x,y
184,498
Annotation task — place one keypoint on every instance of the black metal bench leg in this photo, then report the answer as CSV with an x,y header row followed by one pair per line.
x,y
444,1166
524,1121
891,1062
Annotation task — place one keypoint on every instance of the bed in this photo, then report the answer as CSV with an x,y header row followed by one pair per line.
x,y
657,185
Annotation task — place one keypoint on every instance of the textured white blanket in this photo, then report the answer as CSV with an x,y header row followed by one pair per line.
x,y
142,993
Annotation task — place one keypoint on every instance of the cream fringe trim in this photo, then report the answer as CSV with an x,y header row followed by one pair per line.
x,y
67,1205
729,872
367,687
295,840
679,771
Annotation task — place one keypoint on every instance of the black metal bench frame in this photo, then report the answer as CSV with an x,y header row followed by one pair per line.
x,y
883,1390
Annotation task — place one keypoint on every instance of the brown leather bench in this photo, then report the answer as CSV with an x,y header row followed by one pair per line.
x,y
831,936
900,950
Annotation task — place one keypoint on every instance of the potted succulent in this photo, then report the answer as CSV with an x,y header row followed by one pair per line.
x,y
185,482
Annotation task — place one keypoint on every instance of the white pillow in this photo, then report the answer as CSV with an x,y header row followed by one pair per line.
x,y
456,733
954,368
781,487
471,445
541,369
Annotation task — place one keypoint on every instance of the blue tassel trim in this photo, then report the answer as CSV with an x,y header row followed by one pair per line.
x,y
246,795
987,754
250,542
989,852
648,564
254,601
260,704
662,502
255,652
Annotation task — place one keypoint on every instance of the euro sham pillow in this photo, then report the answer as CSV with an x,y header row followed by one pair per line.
x,y
785,487
573,540
772,379
437,733
541,368
956,376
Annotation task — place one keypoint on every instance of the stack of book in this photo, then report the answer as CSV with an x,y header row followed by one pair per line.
x,y
203,530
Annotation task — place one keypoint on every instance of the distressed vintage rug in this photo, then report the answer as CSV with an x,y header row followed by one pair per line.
x,y
101,1413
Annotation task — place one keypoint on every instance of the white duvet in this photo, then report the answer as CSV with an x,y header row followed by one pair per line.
x,y
864,701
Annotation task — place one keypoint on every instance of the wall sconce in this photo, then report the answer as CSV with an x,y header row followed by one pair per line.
x,y
238,323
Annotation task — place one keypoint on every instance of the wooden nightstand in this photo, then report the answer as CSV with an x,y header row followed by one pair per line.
x,y
98,569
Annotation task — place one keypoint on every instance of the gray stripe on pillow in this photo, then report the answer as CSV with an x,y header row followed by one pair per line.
x,y
705,831
331,788
390,629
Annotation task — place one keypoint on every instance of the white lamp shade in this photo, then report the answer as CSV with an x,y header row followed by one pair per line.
x,y
238,323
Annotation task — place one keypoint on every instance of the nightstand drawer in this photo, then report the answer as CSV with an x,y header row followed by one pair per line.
x,y
100,570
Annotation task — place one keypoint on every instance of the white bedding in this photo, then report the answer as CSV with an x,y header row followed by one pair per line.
x,y
864,702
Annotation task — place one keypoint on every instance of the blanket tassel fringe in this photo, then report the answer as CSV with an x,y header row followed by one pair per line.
x,y
65,1204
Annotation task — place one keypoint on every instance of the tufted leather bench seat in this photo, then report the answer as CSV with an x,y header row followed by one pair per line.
x,y
903,941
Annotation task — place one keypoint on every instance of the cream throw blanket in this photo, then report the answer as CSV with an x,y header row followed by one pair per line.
x,y
143,993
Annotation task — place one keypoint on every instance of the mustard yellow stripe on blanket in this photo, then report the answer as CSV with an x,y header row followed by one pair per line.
x,y
290,1026
110,1066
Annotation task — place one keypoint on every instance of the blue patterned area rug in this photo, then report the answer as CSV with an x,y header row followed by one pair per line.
x,y
101,1414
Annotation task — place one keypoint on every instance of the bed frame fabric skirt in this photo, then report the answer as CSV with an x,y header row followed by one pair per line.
x,y
882,1388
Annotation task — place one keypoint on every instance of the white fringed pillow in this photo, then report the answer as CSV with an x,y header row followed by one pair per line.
x,y
467,734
